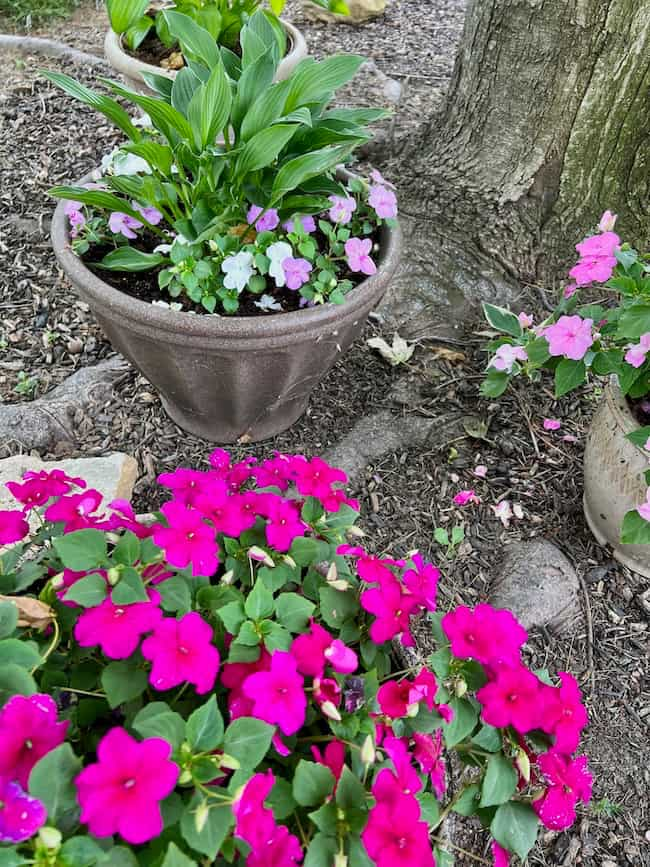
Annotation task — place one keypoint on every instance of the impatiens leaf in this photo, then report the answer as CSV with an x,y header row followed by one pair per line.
x,y
350,791
502,320
175,858
488,738
81,852
158,720
259,603
129,589
82,550
468,802
232,615
9,857
293,611
127,550
337,606
281,799
204,827
463,722
248,740
515,828
305,551
21,653
495,383
635,529
569,375
500,781
123,681
52,782
429,809
321,852
312,783
14,680
205,727
8,618
175,595
88,592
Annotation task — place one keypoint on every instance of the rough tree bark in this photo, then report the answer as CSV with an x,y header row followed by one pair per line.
x,y
546,124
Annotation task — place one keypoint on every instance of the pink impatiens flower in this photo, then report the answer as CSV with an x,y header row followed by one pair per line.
x,y
422,582
117,629
568,782
342,208
187,539
604,244
267,222
278,695
28,731
123,224
512,699
636,354
552,424
570,336
20,815
13,526
393,610
357,252
506,356
121,793
383,200
525,320
644,508
182,652
488,635
314,649
296,272
378,178
429,753
462,498
593,269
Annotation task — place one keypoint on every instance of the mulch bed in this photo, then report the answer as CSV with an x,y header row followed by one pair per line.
x,y
46,333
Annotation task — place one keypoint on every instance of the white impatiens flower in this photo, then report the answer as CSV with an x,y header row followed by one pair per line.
x,y
238,270
277,253
267,303
117,162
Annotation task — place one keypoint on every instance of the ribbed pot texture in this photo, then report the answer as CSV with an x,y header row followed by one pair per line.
x,y
221,377
614,478
131,69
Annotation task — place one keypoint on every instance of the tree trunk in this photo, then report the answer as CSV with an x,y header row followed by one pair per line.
x,y
546,125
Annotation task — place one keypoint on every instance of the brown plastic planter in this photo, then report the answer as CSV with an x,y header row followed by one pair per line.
x,y
223,377
614,478
131,69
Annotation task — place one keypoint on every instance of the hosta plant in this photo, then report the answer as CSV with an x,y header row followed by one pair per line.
x,y
584,342
217,686
134,20
226,193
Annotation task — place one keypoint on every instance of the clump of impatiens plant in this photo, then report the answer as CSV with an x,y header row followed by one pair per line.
x,y
578,341
227,198
218,685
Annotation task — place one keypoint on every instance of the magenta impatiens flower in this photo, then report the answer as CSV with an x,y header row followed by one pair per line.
x,y
121,793
383,200
607,221
278,695
123,224
500,856
37,489
357,254
313,650
407,777
75,510
462,498
267,222
398,699
429,753
187,539
296,272
20,815
117,629
512,699
568,782
488,635
506,355
396,836
29,730
13,526
182,652
342,208
570,336
271,845
422,582
392,609
285,523
315,478
563,713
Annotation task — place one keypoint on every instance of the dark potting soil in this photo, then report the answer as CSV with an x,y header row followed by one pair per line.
x,y
640,407
143,285
151,50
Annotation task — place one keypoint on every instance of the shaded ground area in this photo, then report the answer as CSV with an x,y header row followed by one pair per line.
x,y
406,493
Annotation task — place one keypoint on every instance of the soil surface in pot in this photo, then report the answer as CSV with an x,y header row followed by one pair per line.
x,y
152,51
143,285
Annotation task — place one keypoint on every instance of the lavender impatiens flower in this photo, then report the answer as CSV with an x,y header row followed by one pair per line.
x,y
267,222
122,224
308,225
152,215
73,212
342,209
357,252
383,201
296,271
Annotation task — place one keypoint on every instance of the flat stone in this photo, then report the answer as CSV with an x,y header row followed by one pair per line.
x,y
360,11
539,585
113,475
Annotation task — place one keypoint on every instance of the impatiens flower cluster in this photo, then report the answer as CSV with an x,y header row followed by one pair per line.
x,y
220,681
597,258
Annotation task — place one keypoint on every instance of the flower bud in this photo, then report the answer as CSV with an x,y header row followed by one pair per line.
x,y
229,762
368,751
412,710
523,764
113,575
185,777
330,710
291,563
201,816
460,687
353,533
607,222
260,555
228,577
50,838
341,584
340,860
332,573
57,581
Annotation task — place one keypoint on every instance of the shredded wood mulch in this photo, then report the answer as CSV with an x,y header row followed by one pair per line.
x,y
45,334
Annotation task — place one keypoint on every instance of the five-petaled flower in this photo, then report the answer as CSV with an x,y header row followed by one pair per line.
x,y
278,695
182,652
357,253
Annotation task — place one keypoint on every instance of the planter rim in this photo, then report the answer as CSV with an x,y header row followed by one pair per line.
x,y
214,325
132,66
